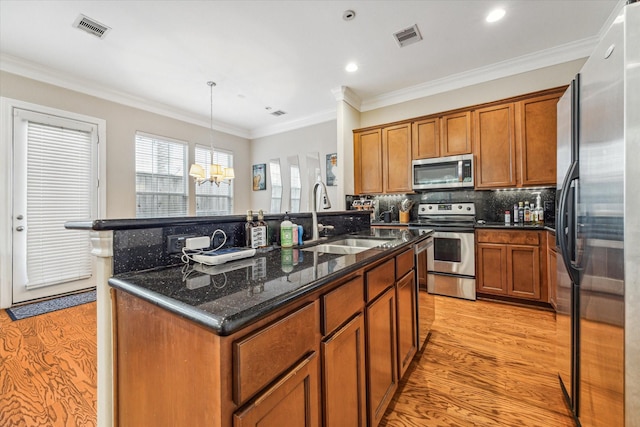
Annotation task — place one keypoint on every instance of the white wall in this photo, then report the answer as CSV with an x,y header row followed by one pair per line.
x,y
517,84
320,138
122,124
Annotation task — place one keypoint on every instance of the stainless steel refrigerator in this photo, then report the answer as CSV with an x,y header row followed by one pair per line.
x,y
598,231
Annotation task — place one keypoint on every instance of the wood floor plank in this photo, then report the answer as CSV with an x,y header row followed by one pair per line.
x,y
486,364
48,369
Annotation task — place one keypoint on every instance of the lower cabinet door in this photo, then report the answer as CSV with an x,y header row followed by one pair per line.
x,y
491,272
344,395
291,401
382,368
407,321
523,270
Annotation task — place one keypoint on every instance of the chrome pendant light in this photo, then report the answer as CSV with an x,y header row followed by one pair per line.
x,y
217,173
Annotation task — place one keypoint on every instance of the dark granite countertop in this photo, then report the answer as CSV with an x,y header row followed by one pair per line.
x,y
225,298
515,226
389,224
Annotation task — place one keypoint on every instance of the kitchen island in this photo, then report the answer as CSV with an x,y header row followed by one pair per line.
x,y
288,336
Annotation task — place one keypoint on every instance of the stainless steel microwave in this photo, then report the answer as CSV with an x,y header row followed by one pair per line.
x,y
442,172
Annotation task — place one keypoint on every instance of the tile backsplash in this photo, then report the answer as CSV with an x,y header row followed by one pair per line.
x,y
490,204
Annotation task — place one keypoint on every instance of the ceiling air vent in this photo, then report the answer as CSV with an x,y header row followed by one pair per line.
x,y
91,26
407,36
278,113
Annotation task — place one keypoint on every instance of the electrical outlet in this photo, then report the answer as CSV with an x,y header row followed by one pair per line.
x,y
176,242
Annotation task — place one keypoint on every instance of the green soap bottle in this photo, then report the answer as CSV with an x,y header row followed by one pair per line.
x,y
286,232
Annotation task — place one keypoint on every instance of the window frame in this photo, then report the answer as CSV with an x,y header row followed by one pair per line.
x,y
173,209
211,194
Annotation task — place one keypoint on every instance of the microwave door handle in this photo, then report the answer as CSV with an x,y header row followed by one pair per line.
x,y
460,174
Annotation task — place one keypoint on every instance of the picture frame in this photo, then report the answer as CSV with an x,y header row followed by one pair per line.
x,y
260,177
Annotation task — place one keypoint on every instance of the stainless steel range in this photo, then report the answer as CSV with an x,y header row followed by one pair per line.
x,y
452,269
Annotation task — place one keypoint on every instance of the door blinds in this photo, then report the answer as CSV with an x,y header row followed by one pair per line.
x,y
60,187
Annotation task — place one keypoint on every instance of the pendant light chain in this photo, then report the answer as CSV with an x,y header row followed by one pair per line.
x,y
211,85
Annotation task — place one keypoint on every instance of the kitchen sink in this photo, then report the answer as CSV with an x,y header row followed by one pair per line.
x,y
346,246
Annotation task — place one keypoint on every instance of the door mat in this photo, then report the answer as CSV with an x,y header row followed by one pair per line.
x,y
42,307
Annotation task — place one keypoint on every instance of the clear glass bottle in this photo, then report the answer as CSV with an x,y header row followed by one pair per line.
x,y
527,212
248,226
520,213
260,232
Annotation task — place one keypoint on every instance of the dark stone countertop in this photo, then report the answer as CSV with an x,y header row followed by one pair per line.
x,y
502,225
227,297
389,224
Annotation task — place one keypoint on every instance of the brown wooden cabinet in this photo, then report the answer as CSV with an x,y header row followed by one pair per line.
x,y
382,160
456,134
515,143
406,295
449,135
494,146
291,401
367,151
382,368
552,269
344,392
537,138
396,158
330,358
425,136
509,263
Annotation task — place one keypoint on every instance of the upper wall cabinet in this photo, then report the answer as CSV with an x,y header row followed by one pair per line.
x,y
537,139
448,135
456,134
515,143
495,148
396,158
382,160
367,151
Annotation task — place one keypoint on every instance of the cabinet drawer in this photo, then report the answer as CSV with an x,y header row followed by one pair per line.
x,y
380,278
264,355
404,263
508,237
341,303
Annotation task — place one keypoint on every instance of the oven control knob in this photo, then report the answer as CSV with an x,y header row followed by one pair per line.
x,y
430,207
468,208
460,207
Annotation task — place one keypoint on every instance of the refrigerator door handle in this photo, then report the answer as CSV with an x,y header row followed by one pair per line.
x,y
566,223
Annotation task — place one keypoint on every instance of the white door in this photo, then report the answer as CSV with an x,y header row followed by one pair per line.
x,y
54,181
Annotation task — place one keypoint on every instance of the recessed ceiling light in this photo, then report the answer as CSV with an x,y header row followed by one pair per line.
x,y
351,67
495,15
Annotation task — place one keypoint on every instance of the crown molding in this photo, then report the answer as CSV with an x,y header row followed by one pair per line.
x,y
346,94
541,59
23,68
525,63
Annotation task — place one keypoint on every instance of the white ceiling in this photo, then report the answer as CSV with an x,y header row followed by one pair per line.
x,y
287,55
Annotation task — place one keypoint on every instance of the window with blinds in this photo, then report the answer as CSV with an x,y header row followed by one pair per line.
x,y
276,186
161,178
59,173
212,199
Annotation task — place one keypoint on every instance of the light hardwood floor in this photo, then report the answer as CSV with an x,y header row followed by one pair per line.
x,y
48,369
486,364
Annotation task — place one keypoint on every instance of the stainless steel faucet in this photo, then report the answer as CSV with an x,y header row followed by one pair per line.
x,y
326,204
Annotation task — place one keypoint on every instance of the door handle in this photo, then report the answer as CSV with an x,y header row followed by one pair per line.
x,y
19,228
